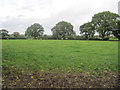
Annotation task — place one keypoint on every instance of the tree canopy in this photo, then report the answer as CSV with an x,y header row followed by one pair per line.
x,y
104,23
87,29
35,30
16,34
116,30
63,30
3,33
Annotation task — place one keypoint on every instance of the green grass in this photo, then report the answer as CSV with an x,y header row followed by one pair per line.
x,y
66,55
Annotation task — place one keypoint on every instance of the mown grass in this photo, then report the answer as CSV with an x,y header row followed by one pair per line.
x,y
64,55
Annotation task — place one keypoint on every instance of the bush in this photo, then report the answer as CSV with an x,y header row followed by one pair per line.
x,y
14,38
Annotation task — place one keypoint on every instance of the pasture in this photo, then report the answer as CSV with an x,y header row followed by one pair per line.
x,y
55,56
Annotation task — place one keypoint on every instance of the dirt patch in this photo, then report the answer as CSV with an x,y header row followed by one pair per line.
x,y
60,80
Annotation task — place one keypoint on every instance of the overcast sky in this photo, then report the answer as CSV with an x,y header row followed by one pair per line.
x,y
17,15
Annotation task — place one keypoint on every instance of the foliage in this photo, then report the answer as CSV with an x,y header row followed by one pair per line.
x,y
63,30
116,31
3,33
104,23
16,34
87,29
19,36
48,37
35,31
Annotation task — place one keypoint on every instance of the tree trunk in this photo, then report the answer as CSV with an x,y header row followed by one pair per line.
x,y
35,38
102,37
63,37
118,39
86,37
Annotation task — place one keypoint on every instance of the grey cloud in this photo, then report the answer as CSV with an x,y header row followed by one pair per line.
x,y
13,24
76,15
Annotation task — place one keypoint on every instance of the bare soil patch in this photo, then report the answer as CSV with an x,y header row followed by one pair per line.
x,y
60,80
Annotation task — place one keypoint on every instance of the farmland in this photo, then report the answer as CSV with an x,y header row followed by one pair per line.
x,y
65,57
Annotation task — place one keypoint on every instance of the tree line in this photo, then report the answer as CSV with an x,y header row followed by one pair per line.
x,y
104,23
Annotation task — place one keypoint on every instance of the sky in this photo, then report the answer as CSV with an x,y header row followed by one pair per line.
x,y
17,15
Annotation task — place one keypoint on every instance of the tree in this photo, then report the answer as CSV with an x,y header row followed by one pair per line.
x,y
63,30
87,29
3,33
116,30
35,31
104,23
16,34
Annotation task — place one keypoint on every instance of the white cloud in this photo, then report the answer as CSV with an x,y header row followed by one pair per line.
x,y
17,15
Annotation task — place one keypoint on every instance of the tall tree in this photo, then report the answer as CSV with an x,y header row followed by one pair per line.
x,y
63,30
88,30
16,34
116,30
104,23
3,33
35,30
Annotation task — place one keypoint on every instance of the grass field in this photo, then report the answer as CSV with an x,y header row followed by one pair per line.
x,y
59,55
